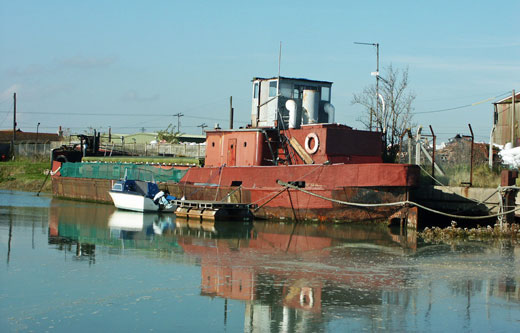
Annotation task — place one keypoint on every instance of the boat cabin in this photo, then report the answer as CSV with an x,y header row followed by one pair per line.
x,y
292,123
310,102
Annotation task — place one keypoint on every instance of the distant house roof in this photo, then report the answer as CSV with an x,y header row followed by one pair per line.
x,y
7,136
509,98
291,78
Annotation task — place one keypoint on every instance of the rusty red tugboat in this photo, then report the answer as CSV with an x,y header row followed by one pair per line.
x,y
293,161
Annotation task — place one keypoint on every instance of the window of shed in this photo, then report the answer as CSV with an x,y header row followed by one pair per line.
x,y
325,94
273,88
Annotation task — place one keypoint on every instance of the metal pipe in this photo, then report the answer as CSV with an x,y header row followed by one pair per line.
x,y
471,158
433,155
513,141
377,80
490,157
418,146
230,113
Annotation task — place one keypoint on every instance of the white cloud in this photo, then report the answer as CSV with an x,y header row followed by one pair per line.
x,y
8,93
133,96
455,64
29,70
88,62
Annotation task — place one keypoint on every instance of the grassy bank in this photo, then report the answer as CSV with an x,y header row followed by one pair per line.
x,y
483,176
24,175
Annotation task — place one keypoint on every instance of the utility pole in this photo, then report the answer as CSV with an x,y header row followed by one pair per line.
x,y
202,126
178,115
14,117
377,79
14,125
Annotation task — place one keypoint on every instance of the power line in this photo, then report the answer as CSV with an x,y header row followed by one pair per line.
x,y
119,114
462,106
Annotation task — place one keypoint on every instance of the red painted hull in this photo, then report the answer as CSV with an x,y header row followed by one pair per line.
x,y
359,183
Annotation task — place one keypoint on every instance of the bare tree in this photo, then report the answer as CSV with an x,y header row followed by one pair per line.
x,y
393,115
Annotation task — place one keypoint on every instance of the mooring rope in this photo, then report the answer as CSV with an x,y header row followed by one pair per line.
x,y
265,203
230,193
398,203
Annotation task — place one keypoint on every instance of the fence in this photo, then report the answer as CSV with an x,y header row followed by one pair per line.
x,y
455,160
118,171
159,149
36,149
43,149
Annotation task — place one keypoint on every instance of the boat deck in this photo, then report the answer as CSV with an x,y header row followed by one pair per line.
x,y
204,204
213,210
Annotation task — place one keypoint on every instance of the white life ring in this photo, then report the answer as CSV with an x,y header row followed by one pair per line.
x,y
306,298
316,145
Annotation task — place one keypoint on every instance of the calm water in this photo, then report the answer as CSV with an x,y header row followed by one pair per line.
x,y
69,266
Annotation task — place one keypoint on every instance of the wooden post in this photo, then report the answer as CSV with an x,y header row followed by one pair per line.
x,y
410,147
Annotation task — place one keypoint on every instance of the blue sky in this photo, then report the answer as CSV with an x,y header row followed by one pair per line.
x,y
133,64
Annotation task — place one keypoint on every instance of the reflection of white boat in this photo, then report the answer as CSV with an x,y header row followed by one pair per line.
x,y
121,220
129,221
140,196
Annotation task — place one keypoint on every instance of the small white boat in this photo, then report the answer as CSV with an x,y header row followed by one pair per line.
x,y
140,196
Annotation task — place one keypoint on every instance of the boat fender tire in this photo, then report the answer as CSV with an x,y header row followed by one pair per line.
x,y
316,145
62,159
159,195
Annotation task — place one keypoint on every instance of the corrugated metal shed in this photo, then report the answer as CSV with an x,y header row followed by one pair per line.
x,y
503,120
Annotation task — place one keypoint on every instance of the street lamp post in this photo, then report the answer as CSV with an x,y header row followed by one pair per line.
x,y
377,78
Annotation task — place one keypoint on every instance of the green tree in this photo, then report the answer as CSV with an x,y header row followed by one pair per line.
x,y
169,134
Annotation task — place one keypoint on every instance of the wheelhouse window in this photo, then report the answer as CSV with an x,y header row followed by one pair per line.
x,y
296,92
325,94
255,93
273,88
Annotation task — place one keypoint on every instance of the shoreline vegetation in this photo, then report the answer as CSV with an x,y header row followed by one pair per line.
x,y
25,175
506,231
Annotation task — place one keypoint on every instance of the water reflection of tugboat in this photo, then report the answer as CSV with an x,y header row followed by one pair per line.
x,y
296,277
288,276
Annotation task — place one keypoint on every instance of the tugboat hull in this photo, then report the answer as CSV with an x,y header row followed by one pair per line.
x,y
376,183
